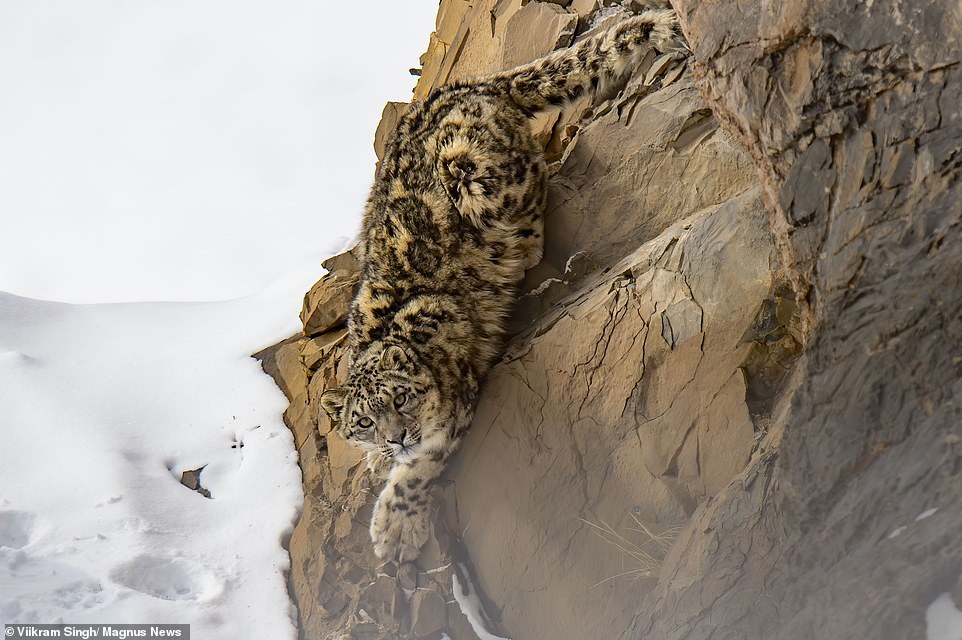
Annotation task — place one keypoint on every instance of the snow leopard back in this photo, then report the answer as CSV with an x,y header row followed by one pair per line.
x,y
454,219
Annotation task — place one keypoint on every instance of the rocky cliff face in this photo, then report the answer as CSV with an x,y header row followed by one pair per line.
x,y
658,455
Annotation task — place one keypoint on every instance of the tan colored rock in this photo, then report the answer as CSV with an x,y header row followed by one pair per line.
x,y
345,261
428,614
536,29
327,304
476,49
385,127
329,371
431,62
451,14
449,36
818,538
637,168
282,362
608,17
308,455
585,8
299,417
315,350
593,415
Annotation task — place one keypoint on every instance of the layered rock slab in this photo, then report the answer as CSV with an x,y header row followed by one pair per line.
x,y
596,427
848,527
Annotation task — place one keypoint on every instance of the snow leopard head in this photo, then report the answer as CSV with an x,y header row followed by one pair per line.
x,y
388,404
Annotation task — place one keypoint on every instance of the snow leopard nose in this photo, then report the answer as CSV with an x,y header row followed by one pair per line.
x,y
400,441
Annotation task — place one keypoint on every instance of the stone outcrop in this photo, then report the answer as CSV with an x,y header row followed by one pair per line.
x,y
853,114
658,455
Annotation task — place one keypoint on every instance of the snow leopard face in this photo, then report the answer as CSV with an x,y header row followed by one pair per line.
x,y
387,405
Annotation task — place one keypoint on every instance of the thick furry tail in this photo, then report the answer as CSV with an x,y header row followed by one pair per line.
x,y
566,74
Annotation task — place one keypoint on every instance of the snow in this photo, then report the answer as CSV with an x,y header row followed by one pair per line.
x,y
943,620
470,605
602,14
189,151
899,530
926,514
154,146
102,407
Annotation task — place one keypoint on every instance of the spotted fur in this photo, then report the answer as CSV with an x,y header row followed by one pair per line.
x,y
452,222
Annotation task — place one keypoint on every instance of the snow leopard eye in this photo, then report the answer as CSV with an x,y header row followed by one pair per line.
x,y
400,400
365,423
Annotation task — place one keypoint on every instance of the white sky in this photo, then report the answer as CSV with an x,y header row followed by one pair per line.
x,y
189,149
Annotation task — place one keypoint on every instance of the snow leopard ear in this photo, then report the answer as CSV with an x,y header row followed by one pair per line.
x,y
332,401
393,358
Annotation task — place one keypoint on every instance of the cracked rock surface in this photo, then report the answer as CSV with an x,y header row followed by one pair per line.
x,y
734,377
853,114
596,427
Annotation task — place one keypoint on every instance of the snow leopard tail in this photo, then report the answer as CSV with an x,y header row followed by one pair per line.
x,y
566,74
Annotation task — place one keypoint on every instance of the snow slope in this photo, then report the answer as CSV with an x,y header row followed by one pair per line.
x,y
134,131
102,407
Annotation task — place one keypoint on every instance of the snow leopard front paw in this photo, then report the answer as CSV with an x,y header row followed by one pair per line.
x,y
378,465
398,528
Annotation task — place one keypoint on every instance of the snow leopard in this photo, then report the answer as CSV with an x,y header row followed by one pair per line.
x,y
454,218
